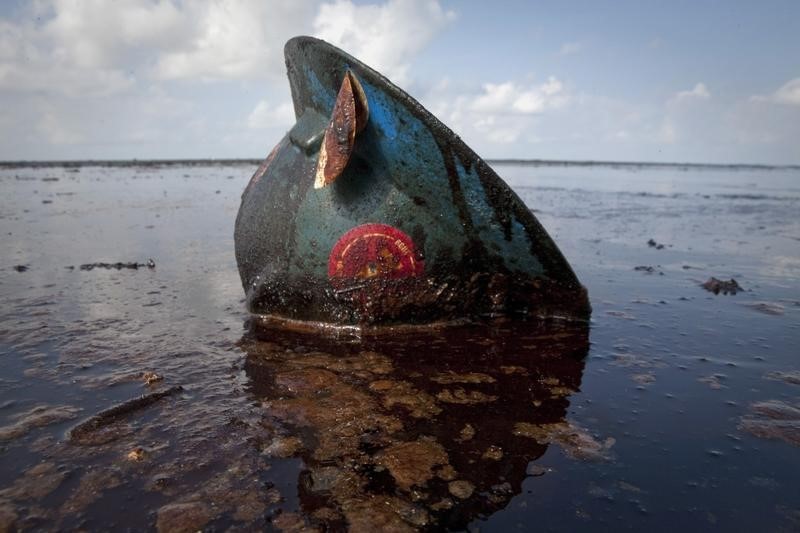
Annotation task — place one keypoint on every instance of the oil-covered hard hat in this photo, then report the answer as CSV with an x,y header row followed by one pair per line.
x,y
371,211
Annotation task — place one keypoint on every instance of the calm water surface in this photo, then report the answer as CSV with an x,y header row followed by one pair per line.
x,y
674,409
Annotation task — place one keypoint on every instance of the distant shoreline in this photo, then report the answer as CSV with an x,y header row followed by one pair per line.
x,y
518,162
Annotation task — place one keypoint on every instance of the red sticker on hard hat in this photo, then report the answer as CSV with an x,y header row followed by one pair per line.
x,y
374,251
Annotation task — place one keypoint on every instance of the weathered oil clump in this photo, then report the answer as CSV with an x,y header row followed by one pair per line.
x,y
371,211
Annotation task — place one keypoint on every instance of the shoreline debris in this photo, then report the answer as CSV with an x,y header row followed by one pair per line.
x,y
647,269
725,287
773,419
767,308
790,376
38,416
113,414
118,265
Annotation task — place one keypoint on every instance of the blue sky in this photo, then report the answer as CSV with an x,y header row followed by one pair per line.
x,y
638,81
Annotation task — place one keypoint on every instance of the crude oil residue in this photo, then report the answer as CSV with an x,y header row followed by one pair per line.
x,y
140,397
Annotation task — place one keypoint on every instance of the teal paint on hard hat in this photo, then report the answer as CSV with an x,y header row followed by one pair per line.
x,y
483,251
380,184
321,96
381,112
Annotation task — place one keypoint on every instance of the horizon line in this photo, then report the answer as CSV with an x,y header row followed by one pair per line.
x,y
49,163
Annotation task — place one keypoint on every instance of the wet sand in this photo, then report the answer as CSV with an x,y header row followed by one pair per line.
x,y
135,395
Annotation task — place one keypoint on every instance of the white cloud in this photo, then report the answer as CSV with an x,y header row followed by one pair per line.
x,y
82,76
499,113
98,48
29,62
92,78
680,118
788,93
96,33
499,131
495,98
265,115
386,37
510,97
44,60
235,39
71,46
699,92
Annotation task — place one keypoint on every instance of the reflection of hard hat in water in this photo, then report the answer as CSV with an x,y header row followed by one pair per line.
x,y
427,421
371,211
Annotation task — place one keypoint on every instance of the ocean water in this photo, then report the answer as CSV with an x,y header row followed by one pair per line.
x,y
675,408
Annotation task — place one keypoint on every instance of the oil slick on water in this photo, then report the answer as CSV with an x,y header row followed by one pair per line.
x,y
676,408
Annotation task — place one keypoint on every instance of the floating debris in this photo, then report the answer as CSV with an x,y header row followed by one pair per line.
x,y
620,314
36,483
576,442
39,416
713,381
494,453
466,433
725,287
137,454
412,463
150,377
97,381
118,266
20,268
513,369
768,308
469,377
8,517
624,485
773,419
418,403
790,376
653,244
535,470
629,360
283,447
83,431
643,379
464,397
461,489
188,516
92,486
